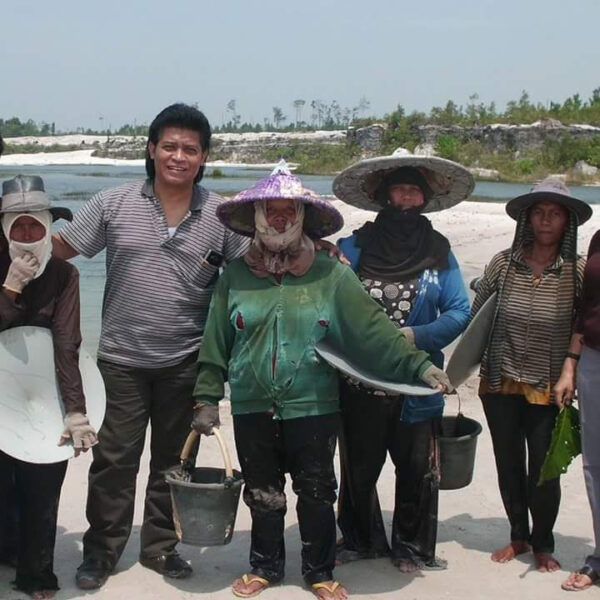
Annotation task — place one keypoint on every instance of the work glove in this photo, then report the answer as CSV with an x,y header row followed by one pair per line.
x,y
435,378
21,271
206,416
78,429
409,334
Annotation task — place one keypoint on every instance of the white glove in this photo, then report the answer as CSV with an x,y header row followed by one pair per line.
x,y
78,429
436,378
21,271
409,334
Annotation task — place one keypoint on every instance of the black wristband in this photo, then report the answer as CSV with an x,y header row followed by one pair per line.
x,y
573,355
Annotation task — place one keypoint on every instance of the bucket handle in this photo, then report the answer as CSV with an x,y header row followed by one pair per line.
x,y
189,444
456,393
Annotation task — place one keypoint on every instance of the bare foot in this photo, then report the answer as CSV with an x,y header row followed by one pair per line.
x,y
43,594
330,590
509,552
406,565
249,585
577,582
545,562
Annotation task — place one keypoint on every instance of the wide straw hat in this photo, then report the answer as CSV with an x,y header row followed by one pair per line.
x,y
321,218
26,194
553,190
450,183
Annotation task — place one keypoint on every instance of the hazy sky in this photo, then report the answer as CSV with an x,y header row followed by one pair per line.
x,y
73,61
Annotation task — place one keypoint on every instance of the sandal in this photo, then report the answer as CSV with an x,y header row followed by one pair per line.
x,y
248,579
586,570
329,586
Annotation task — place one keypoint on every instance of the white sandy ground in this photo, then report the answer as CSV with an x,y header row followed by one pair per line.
x,y
471,521
84,157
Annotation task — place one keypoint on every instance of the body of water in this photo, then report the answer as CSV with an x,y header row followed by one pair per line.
x,y
71,185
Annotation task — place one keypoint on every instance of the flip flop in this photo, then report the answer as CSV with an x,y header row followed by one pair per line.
x,y
585,570
324,585
248,579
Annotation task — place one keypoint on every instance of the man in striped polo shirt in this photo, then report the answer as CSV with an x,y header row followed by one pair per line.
x,y
164,245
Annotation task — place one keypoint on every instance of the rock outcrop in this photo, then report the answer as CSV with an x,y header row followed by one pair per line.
x,y
501,137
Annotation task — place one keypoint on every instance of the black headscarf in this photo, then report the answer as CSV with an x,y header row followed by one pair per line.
x,y
400,243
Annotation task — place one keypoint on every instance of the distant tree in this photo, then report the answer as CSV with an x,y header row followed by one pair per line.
x,y
361,109
278,117
235,117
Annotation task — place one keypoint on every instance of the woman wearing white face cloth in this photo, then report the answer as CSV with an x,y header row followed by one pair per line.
x,y
40,291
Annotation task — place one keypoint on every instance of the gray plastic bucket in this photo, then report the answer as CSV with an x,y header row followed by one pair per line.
x,y
205,499
458,443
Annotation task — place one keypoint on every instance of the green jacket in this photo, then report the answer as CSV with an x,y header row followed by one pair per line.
x,y
261,336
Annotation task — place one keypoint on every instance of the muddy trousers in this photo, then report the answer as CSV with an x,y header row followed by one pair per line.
x,y
372,427
37,494
305,448
136,397
521,434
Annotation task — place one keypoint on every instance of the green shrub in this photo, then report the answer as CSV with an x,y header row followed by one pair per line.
x,y
447,146
525,166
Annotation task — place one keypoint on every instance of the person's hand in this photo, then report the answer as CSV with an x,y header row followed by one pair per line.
x,y
78,429
21,271
206,416
436,378
564,389
332,249
409,334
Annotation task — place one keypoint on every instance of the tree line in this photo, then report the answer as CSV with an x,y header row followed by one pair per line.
x,y
305,115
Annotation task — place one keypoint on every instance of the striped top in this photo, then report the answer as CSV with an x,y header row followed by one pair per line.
x,y
158,289
528,317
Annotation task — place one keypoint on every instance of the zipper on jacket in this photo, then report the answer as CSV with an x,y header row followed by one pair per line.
x,y
274,350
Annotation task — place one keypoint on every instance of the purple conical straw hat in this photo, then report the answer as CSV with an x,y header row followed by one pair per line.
x,y
320,217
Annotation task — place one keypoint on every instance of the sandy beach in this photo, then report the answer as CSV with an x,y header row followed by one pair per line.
x,y
471,521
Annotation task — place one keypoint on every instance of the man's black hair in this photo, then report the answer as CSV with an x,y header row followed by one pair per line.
x,y
183,116
1,145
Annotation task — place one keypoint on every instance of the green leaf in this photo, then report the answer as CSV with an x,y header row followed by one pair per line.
x,y
564,446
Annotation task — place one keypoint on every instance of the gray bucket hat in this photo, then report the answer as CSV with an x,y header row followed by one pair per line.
x,y
449,182
26,194
553,190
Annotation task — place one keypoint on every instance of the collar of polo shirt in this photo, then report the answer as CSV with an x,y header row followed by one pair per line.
x,y
198,199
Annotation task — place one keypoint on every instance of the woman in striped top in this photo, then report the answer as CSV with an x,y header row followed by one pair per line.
x,y
538,281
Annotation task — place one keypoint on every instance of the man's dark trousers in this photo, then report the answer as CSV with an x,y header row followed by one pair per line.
x,y
136,397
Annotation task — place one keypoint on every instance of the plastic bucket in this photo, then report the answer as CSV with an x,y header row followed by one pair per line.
x,y
458,443
205,499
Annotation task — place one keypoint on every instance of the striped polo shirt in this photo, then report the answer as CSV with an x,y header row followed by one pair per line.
x,y
158,289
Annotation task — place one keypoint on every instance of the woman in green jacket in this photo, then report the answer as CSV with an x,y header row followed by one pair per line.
x,y
268,311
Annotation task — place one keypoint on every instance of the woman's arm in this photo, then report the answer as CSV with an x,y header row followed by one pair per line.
x,y
564,390
363,332
66,335
488,284
217,342
453,311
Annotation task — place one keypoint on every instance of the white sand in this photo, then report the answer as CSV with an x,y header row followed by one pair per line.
x,y
84,157
472,520
74,157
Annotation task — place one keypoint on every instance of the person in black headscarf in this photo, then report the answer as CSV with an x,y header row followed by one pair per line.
x,y
407,267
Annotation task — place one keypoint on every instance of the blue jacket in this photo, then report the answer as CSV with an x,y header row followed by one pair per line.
x,y
439,315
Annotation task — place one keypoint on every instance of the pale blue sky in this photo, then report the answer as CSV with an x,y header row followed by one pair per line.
x,y
72,61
